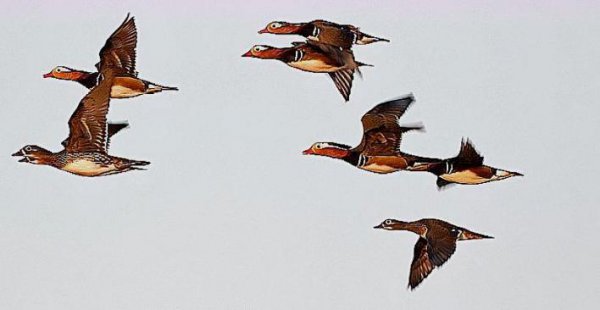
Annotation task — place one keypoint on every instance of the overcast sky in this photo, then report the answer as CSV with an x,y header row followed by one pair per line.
x,y
230,215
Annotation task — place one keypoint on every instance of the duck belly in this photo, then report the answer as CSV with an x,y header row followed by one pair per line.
x,y
127,87
88,168
384,164
314,65
464,177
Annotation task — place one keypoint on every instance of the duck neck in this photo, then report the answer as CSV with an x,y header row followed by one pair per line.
x,y
86,79
410,226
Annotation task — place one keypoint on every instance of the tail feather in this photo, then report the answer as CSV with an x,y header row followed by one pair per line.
x,y
169,88
156,88
368,39
469,235
139,163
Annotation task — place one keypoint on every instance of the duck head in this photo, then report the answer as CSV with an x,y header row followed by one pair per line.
x,y
66,73
34,154
391,224
329,149
265,52
282,28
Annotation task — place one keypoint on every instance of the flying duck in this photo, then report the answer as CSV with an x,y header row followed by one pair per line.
x,y
467,168
379,150
317,58
126,84
436,244
85,151
342,36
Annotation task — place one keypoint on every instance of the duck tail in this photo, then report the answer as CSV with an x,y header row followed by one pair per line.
x,y
361,64
157,88
368,39
162,87
135,163
469,235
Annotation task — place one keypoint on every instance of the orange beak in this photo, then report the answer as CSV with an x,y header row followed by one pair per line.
x,y
264,31
308,152
248,54
48,75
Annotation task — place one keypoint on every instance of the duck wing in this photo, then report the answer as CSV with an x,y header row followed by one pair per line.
x,y
382,134
119,49
421,265
87,125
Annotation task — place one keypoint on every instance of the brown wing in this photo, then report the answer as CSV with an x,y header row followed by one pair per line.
x,y
342,58
381,132
343,81
468,155
333,34
421,266
119,49
442,244
112,129
87,125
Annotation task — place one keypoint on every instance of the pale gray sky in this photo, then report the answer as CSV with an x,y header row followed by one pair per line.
x,y
229,215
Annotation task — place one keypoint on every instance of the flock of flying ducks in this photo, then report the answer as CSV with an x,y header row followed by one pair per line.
x,y
328,49
85,151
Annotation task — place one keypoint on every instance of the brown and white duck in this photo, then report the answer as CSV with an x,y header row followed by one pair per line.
x,y
342,36
379,150
85,151
467,168
126,84
317,58
436,244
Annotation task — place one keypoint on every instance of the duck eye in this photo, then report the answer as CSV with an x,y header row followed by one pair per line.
x,y
58,69
275,25
388,222
318,146
28,148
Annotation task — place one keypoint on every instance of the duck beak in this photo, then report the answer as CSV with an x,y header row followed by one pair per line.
x,y
308,152
247,54
18,153
517,174
47,75
263,31
378,226
23,160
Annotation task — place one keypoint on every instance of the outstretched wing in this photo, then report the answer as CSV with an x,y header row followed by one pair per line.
x,y
381,132
421,265
112,129
441,248
119,49
343,82
87,125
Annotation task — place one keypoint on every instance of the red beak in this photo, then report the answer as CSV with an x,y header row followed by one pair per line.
x,y
248,54
47,75
308,152
264,31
